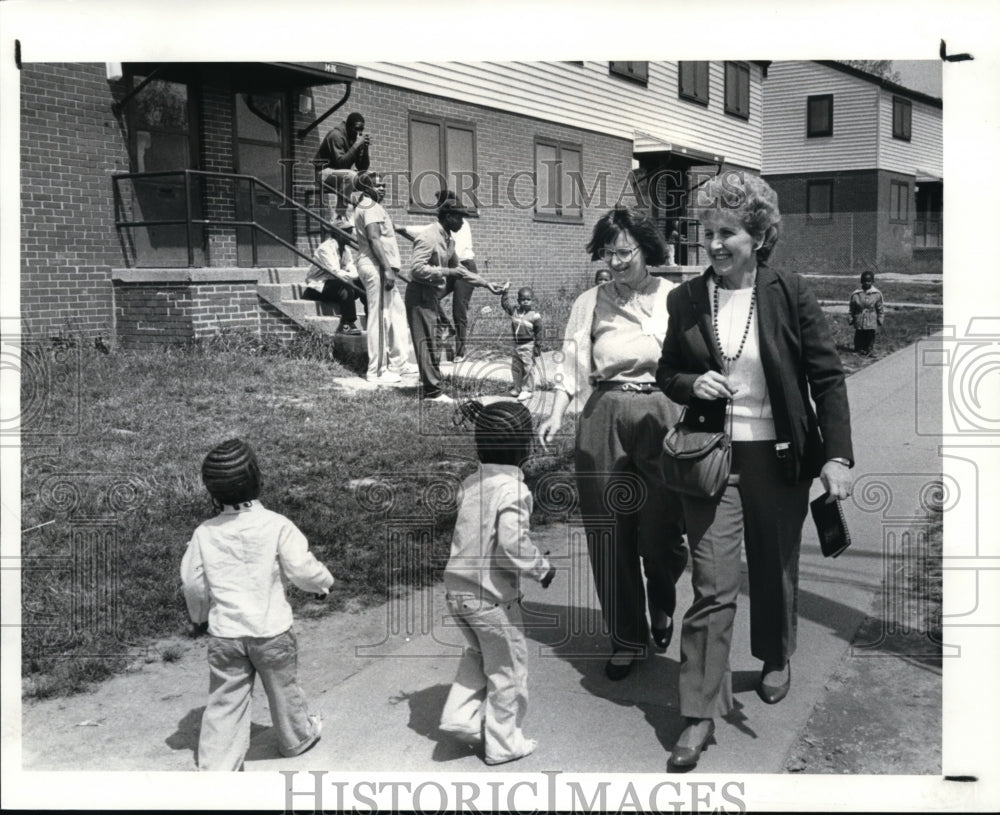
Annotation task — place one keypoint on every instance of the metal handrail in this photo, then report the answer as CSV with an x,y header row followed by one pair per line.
x,y
189,221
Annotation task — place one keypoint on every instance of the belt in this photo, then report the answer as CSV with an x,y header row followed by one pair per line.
x,y
636,387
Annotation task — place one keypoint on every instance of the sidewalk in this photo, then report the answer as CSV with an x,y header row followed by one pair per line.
x,y
379,677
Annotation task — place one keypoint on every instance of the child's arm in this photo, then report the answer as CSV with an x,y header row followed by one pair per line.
x,y
196,593
514,543
536,327
505,302
299,564
879,308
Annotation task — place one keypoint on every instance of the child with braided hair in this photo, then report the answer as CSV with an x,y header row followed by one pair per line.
x,y
234,573
490,549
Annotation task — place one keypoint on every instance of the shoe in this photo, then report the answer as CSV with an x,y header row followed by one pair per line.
x,y
459,358
441,398
473,738
527,750
350,330
524,396
514,392
662,636
409,369
698,734
775,690
615,669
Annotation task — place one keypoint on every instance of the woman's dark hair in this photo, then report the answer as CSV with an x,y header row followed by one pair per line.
x,y
638,225
503,431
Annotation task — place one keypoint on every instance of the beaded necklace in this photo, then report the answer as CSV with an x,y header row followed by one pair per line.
x,y
746,331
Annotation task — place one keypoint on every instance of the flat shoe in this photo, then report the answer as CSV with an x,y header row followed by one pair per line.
x,y
772,694
615,671
662,636
692,741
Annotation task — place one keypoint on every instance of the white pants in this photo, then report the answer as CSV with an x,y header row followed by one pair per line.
x,y
391,331
490,693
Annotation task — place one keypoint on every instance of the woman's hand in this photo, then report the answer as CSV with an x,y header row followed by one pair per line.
x,y
713,385
836,478
548,428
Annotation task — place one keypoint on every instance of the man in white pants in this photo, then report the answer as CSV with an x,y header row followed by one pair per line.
x,y
378,267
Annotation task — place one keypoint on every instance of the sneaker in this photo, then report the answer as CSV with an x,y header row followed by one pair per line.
x,y
459,358
524,396
409,369
350,329
526,750
514,392
441,399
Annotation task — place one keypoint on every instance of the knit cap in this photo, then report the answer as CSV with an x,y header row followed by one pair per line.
x,y
231,473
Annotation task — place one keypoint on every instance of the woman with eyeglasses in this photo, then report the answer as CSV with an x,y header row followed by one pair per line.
x,y
612,345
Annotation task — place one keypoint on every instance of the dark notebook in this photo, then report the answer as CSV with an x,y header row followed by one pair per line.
x,y
834,537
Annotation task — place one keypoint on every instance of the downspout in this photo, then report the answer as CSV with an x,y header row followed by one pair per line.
x,y
303,132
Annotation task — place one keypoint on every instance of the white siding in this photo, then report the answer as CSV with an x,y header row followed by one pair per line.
x,y
586,96
853,145
925,150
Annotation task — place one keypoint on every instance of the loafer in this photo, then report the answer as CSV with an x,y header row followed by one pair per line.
x,y
772,694
615,671
662,636
693,740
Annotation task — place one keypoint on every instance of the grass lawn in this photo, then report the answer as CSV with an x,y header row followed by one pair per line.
x,y
339,465
839,289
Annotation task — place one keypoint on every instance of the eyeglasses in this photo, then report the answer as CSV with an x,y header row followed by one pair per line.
x,y
621,255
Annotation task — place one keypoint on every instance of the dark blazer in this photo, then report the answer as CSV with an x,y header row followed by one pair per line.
x,y
797,353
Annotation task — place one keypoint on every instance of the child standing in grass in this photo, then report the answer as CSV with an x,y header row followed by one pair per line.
x,y
234,574
526,326
490,549
867,314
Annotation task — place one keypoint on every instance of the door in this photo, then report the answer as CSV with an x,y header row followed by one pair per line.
x,y
260,134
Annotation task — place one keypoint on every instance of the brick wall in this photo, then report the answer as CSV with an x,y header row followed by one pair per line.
x,y
71,144
509,242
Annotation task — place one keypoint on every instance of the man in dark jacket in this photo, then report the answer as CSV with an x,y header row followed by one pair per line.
x,y
344,154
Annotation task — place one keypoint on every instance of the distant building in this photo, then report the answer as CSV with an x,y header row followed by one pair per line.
x,y
857,162
164,201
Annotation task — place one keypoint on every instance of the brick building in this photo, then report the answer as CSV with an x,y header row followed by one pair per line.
x,y
161,199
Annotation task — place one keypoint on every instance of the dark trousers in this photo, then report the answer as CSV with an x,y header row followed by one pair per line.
x,y
864,340
422,316
336,291
633,522
460,308
767,515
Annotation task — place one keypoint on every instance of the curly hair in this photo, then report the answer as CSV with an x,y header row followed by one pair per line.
x,y
749,197
638,225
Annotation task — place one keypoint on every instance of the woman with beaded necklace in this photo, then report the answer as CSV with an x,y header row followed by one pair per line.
x,y
757,340
633,523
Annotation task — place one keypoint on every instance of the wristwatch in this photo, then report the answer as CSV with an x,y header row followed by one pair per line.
x,y
841,460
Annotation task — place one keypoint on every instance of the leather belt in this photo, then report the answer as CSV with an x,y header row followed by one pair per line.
x,y
635,387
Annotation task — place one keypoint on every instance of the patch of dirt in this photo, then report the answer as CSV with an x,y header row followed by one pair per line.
x,y
879,715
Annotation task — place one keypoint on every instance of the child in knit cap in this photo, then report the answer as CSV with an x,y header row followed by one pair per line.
x,y
490,550
234,573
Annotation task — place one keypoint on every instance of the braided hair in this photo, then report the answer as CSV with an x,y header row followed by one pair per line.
x,y
503,431
231,474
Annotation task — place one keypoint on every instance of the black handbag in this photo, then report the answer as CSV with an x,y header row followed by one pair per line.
x,y
696,458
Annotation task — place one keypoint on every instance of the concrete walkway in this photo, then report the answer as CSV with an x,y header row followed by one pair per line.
x,y
379,677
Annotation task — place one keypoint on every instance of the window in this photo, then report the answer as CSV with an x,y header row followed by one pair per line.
x,y
636,71
442,152
558,168
738,89
819,115
899,201
819,200
902,118
692,81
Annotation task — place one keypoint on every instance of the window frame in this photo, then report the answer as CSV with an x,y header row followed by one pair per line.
x,y
691,95
192,88
898,130
816,183
743,70
895,211
626,70
558,216
815,132
444,122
